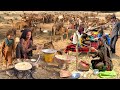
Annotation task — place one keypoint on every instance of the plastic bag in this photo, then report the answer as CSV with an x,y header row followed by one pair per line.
x,y
107,74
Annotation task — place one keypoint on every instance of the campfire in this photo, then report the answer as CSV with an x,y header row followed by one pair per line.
x,y
22,70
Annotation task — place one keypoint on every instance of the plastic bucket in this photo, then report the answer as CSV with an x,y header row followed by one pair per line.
x,y
48,57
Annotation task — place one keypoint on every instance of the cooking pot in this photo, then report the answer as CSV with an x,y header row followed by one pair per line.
x,y
49,51
84,66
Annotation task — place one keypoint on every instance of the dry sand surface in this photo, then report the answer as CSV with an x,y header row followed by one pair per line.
x,y
46,71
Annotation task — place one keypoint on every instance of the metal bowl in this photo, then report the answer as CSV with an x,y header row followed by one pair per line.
x,y
96,71
49,50
75,76
33,60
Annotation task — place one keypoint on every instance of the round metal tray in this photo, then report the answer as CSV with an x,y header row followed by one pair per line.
x,y
22,66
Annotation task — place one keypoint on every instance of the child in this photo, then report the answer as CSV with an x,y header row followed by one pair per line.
x,y
8,48
105,36
25,46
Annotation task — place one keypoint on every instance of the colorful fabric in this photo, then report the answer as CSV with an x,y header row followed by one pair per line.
x,y
95,33
91,38
107,37
94,44
9,42
99,35
72,48
85,49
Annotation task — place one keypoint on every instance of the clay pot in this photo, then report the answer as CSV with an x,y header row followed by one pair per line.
x,y
84,66
65,74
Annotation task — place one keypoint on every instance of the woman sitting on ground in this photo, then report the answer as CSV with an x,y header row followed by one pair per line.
x,y
25,46
103,52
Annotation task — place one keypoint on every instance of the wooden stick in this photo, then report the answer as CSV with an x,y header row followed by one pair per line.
x,y
77,53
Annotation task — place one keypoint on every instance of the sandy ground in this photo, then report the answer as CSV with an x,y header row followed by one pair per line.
x,y
47,71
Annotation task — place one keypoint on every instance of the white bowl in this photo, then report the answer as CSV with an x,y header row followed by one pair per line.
x,y
75,75
33,60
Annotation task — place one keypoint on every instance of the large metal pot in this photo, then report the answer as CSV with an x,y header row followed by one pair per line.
x,y
49,54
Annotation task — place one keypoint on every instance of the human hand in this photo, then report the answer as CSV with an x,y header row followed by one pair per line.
x,y
92,48
91,57
34,47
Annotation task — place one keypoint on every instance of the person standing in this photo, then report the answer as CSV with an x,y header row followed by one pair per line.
x,y
8,48
114,33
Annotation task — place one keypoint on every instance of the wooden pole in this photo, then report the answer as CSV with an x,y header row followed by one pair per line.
x,y
76,52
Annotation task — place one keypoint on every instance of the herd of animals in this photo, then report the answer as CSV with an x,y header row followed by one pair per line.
x,y
34,21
